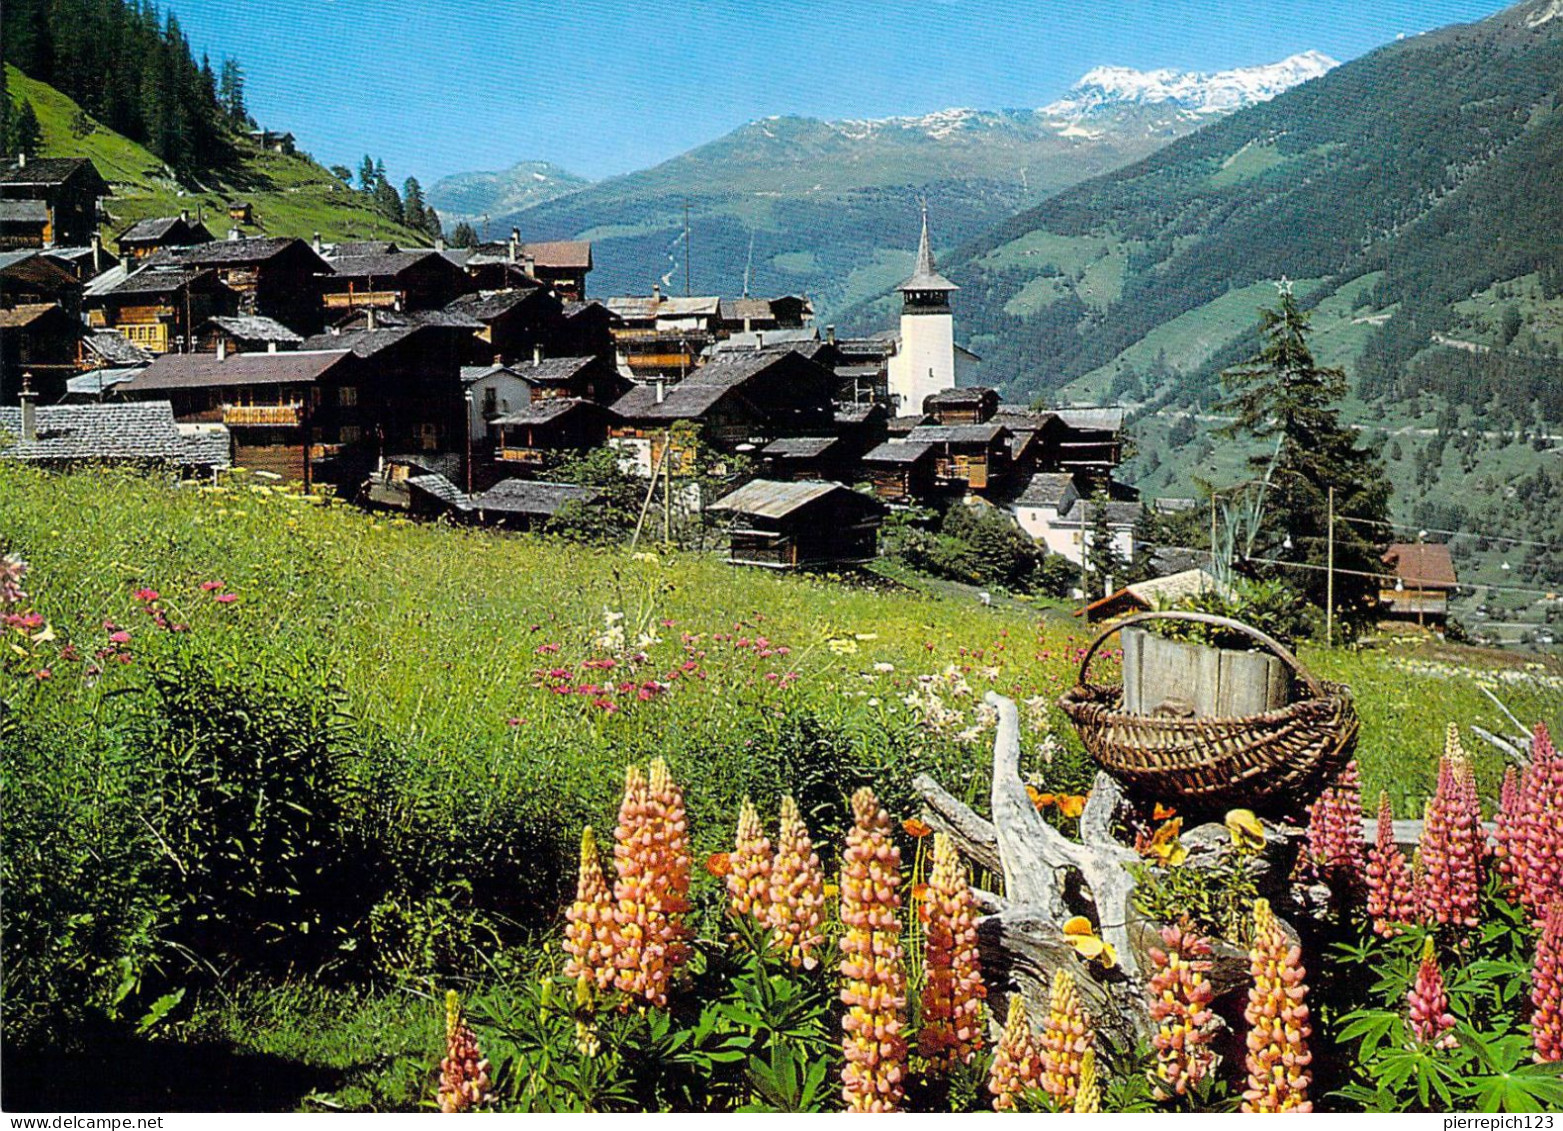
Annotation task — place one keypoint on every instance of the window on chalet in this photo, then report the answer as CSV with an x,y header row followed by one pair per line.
x,y
347,395
349,434
490,400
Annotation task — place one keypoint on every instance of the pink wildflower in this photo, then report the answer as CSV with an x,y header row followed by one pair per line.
x,y
1391,898
1431,1021
1452,842
1546,1023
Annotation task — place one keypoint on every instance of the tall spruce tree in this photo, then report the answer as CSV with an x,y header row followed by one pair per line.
x,y
464,235
26,134
412,204
230,93
431,223
1282,392
1106,565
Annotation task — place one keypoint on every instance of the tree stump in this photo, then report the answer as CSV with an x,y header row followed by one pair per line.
x,y
1049,878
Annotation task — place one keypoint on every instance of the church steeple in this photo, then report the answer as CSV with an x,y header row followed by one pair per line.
x,y
926,290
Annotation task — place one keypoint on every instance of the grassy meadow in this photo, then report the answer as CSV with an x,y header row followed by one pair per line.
x,y
273,767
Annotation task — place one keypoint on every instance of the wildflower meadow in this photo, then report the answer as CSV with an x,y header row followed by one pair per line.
x,y
377,815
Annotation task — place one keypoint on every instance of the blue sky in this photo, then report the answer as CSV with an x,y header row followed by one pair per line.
x,y
607,86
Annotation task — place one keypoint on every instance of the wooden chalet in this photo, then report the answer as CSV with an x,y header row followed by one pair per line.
x,y
791,525
805,458
525,504
144,237
748,315
275,277
542,431
241,212
23,224
244,333
513,325
560,265
279,407
38,341
901,471
861,427
30,276
588,329
1084,440
973,457
157,308
84,263
283,143
69,188
975,405
659,336
396,280
1421,580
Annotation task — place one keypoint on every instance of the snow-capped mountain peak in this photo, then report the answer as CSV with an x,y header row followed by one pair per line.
x,y
1219,92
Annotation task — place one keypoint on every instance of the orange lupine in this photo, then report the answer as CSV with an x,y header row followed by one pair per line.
x,y
464,1073
797,890
951,1030
1065,1040
749,874
589,937
1277,1014
1017,1067
872,972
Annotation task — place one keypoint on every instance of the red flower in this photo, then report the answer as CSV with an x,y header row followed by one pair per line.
x,y
145,594
209,586
120,637
227,598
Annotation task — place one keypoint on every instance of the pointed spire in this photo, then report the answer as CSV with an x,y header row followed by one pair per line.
x,y
926,277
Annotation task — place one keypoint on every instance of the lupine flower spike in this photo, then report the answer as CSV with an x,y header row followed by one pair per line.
x,y
675,863
1431,1021
1391,900
1546,1022
953,993
1064,1041
1537,866
464,1074
1180,1005
797,891
588,940
651,856
1017,1066
1508,834
872,972
1088,1098
1452,842
1277,1015
1335,831
748,879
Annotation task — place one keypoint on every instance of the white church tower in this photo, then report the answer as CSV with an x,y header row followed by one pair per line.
x,y
925,363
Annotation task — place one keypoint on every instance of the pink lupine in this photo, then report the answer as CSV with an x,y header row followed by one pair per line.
x,y
1017,1066
872,973
651,857
1065,1039
797,891
953,993
1391,898
675,863
1277,1015
1335,843
1538,838
1507,833
589,938
1431,1021
749,873
1546,995
464,1073
1452,842
1180,1005
12,571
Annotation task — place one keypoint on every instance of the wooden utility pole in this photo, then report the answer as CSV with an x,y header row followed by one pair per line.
x,y
1329,578
667,490
1085,589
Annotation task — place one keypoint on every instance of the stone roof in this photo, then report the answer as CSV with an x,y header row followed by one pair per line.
x,y
1118,513
684,401
204,370
385,265
899,451
255,249
957,433
532,497
1091,419
254,328
118,430
543,412
954,398
1047,489
440,488
206,445
772,498
95,382
147,281
23,212
364,343
800,447
560,255
551,370
490,305
114,348
17,317
44,171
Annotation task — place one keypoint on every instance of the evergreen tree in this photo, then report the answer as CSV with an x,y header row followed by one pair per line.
x,y
5,113
26,134
1282,392
366,176
386,200
230,93
431,223
464,235
412,204
1104,563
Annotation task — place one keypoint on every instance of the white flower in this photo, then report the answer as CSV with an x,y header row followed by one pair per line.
x,y
884,667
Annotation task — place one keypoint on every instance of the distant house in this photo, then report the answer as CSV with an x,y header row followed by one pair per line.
x,y
1158,593
245,333
804,457
901,471
545,429
40,340
86,262
1051,508
792,525
513,325
276,277
65,435
523,504
282,408
157,306
23,224
562,265
29,276
69,188
972,457
241,212
276,142
146,236
1083,440
973,405
399,280
1421,580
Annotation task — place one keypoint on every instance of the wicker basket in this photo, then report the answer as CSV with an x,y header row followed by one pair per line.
x,y
1276,763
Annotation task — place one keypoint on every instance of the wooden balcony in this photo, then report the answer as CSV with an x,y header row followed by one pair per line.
x,y
263,415
533,456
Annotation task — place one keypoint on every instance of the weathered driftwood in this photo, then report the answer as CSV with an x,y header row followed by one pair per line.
x,y
1048,878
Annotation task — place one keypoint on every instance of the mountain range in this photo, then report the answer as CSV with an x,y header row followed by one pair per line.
x,y
795,204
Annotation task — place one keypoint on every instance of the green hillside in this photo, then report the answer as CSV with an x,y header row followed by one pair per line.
x,y
291,196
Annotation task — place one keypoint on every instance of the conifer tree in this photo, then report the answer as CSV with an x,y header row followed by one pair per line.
x,y
26,134
366,175
465,235
1106,565
412,204
431,223
230,93
1282,392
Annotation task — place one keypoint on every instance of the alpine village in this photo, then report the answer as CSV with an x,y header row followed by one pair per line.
x,y
1024,611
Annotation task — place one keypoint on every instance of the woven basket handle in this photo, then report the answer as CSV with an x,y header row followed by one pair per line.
x,y
1314,686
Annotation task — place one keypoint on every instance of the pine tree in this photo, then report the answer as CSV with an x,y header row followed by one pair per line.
x,y
1282,392
431,223
464,235
412,204
230,93
1106,565
386,200
26,134
5,113
366,177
